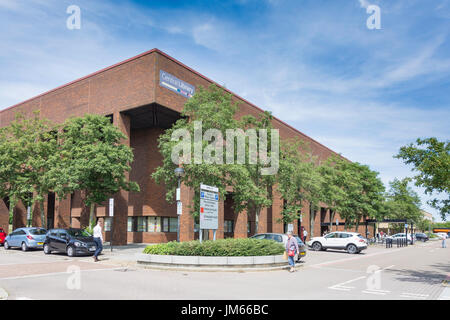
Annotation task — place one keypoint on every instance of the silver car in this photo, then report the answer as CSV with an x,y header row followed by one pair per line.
x,y
26,238
282,238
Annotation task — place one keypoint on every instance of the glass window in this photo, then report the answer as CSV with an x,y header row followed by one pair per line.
x,y
228,226
278,238
259,236
130,224
249,227
165,224
173,224
38,232
154,224
76,233
331,236
141,224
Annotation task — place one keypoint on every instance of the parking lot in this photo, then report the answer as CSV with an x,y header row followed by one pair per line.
x,y
419,272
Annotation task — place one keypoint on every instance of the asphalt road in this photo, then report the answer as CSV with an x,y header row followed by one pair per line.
x,y
419,272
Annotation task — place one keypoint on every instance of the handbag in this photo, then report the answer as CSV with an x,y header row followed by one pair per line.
x,y
291,253
285,255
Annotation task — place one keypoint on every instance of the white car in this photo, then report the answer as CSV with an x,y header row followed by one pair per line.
x,y
442,235
352,242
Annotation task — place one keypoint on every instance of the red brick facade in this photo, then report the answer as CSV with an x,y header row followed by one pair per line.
x,y
118,91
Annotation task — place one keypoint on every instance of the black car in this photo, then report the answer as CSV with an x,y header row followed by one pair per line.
x,y
71,241
421,237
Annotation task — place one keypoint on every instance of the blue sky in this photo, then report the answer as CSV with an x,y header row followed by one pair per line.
x,y
315,64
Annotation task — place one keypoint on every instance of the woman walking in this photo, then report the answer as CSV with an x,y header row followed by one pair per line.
x,y
291,250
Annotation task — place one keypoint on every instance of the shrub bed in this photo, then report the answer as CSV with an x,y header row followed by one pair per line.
x,y
218,248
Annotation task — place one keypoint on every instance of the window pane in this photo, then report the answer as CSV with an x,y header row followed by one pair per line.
x,y
130,224
141,224
165,224
173,224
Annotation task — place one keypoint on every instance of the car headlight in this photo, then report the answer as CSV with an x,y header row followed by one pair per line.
x,y
77,244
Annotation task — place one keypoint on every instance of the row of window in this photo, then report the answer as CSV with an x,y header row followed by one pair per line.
x,y
161,224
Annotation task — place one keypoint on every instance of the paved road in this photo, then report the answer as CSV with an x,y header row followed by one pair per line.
x,y
418,272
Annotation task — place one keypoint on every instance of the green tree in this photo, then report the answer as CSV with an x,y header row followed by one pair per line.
x,y
93,160
402,202
352,190
207,118
431,159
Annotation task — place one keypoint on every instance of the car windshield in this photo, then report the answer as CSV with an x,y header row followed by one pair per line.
x,y
299,241
78,233
38,232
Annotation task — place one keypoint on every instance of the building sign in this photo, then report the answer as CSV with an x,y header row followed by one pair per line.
x,y
209,207
171,82
111,207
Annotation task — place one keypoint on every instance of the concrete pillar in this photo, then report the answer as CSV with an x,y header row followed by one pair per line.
x,y
240,224
62,212
277,208
186,219
20,216
119,227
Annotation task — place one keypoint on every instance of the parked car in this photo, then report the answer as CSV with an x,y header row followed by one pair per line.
x,y
421,237
2,236
71,241
26,238
282,238
352,242
401,236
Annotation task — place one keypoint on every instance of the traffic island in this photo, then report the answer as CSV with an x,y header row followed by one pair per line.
x,y
201,263
220,255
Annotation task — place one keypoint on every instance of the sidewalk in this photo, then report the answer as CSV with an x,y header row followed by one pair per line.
x,y
120,255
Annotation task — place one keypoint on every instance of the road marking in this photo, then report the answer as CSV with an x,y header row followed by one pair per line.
x,y
375,292
445,295
341,286
414,296
55,273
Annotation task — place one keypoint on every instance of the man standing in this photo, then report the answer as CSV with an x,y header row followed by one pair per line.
x,y
305,234
98,239
443,241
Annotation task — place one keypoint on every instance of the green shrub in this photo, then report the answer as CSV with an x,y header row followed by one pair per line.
x,y
218,248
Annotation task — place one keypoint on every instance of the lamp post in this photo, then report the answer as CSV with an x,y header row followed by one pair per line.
x,y
179,172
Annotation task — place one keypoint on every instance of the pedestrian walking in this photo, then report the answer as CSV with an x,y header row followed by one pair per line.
x,y
305,234
444,237
98,239
292,250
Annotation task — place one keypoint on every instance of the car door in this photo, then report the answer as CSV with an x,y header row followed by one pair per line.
x,y
331,240
62,239
53,239
343,240
17,237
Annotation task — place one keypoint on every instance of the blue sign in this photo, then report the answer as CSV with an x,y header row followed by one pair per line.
x,y
202,194
171,82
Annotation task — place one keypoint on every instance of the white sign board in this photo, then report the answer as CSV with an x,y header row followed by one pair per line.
x,y
28,213
290,227
209,207
179,208
111,207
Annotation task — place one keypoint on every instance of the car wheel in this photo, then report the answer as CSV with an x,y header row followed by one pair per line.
x,y
351,248
24,246
70,251
317,246
47,249
6,245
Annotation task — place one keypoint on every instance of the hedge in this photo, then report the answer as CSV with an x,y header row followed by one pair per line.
x,y
218,248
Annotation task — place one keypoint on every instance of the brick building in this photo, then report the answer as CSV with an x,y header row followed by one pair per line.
x,y
132,94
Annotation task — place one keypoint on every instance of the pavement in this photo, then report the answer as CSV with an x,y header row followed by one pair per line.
x,y
419,272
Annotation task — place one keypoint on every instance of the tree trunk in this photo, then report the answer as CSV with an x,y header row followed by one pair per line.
x,y
92,215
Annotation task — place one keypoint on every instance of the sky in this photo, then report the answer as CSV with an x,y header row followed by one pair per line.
x,y
363,92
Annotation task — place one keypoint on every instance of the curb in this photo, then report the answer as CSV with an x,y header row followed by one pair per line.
x,y
215,264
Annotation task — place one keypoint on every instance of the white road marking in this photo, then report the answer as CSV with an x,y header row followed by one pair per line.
x,y
341,286
374,292
445,295
56,273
